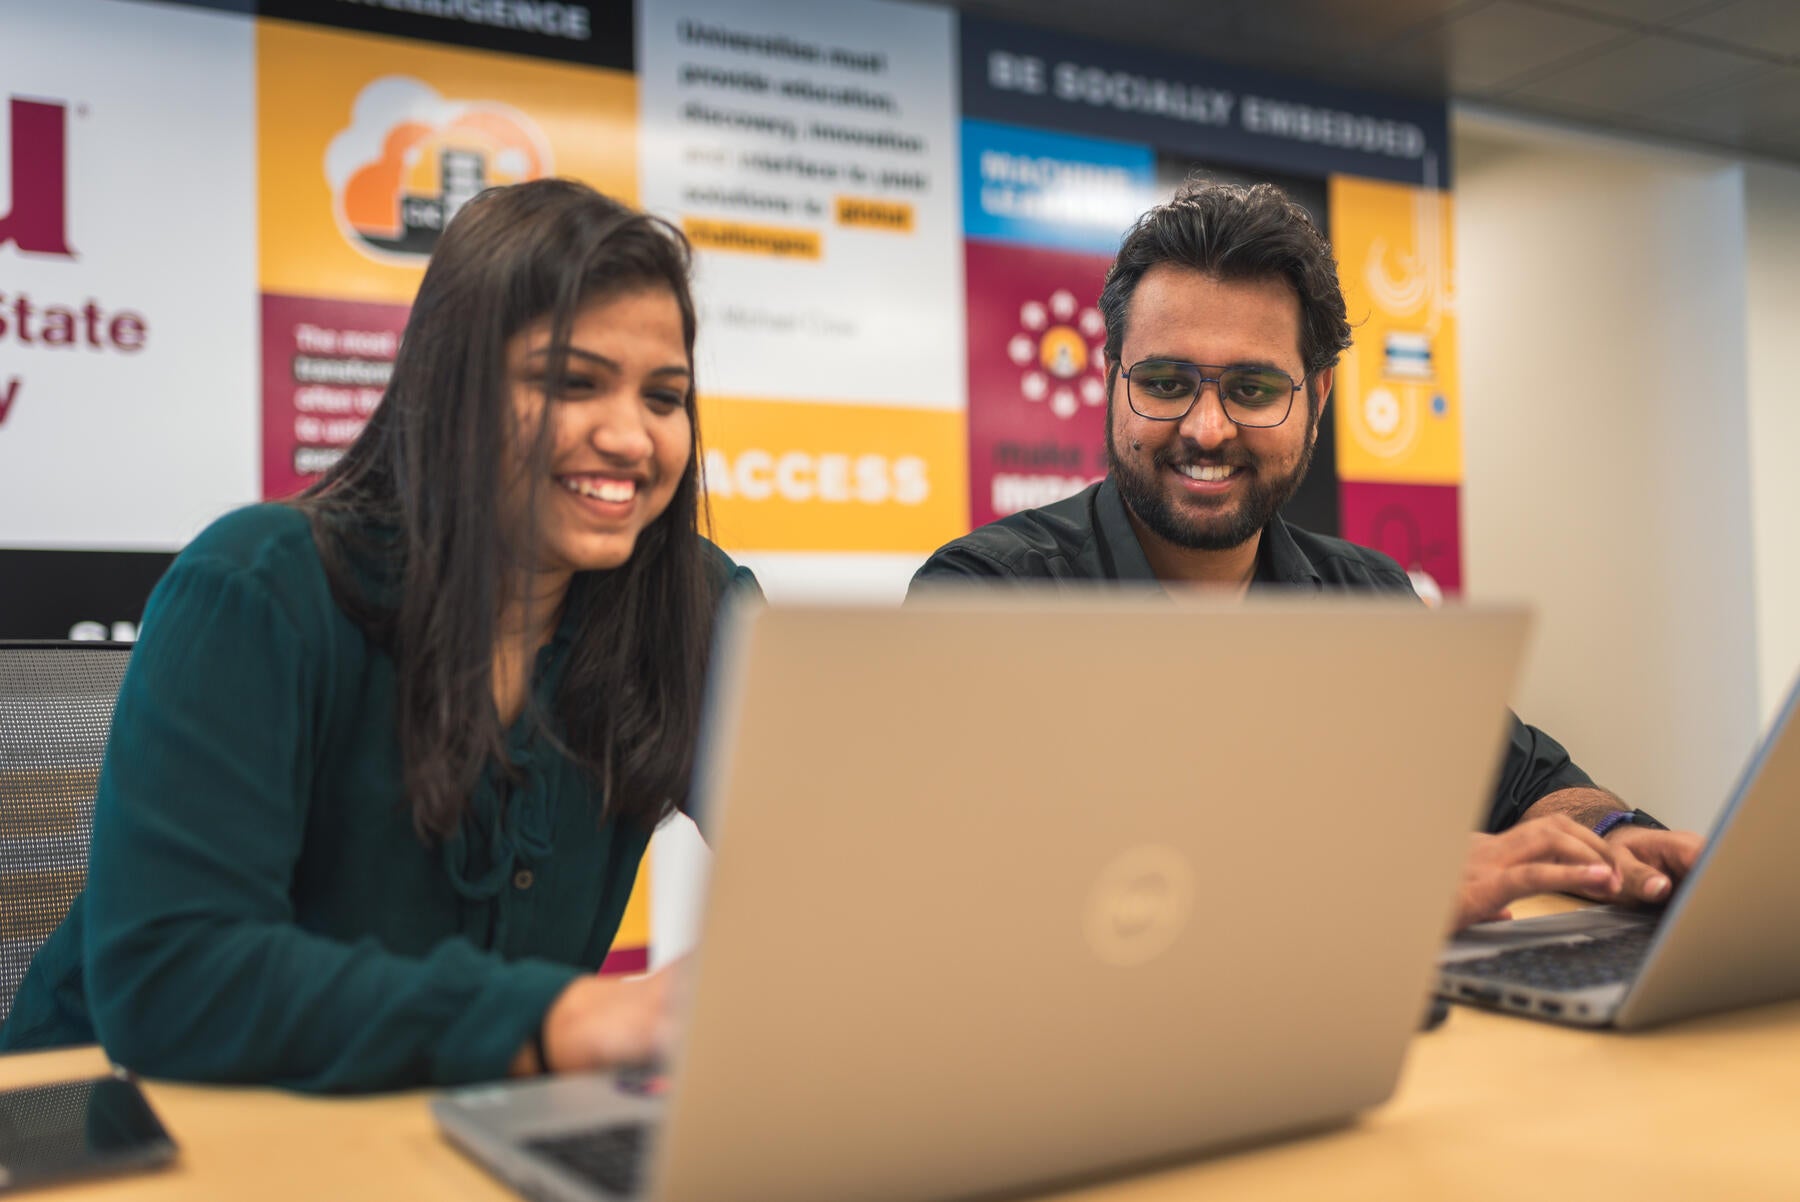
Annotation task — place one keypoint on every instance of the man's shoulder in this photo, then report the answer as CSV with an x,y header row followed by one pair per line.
x,y
1046,543
1344,564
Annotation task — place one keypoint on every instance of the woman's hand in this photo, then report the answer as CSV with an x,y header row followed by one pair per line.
x,y
605,1022
1544,855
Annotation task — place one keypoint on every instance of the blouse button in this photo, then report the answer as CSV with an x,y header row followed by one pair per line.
x,y
522,879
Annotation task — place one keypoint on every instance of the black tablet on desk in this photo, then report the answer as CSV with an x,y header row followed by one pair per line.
x,y
70,1129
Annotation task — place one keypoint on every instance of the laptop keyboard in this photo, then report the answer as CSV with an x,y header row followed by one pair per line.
x,y
1607,960
612,1157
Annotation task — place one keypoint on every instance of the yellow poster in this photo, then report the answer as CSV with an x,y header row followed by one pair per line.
x,y
813,476
1397,401
631,943
368,145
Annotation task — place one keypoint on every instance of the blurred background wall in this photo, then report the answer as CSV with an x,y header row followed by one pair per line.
x,y
1604,299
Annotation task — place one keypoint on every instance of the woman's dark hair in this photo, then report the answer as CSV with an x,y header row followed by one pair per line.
x,y
415,506
1234,232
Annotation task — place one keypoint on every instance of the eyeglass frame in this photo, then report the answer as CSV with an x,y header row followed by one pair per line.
x,y
1218,383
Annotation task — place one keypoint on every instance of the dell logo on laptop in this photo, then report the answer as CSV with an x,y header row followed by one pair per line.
x,y
1139,905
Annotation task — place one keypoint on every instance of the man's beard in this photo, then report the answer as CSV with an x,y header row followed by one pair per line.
x,y
1147,496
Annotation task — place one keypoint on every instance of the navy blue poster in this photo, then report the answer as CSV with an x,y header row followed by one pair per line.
x,y
1250,118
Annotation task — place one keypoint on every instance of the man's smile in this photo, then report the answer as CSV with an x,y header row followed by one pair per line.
x,y
1207,472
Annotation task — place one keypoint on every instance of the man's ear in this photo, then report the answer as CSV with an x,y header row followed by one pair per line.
x,y
1322,382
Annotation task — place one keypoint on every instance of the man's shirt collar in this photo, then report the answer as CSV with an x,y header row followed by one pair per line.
x,y
1280,561
1121,555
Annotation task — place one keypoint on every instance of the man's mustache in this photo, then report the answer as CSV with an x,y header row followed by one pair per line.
x,y
1178,458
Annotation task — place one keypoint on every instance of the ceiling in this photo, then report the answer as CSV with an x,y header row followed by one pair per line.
x,y
1719,73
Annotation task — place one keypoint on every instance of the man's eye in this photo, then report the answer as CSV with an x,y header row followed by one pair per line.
x,y
1255,392
1166,386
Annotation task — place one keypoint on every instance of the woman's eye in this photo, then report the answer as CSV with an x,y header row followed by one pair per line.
x,y
665,402
568,388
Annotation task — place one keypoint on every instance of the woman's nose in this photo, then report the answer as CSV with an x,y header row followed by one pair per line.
x,y
619,430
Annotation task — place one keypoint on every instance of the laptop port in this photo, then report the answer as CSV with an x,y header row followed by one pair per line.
x,y
1519,1000
1551,1007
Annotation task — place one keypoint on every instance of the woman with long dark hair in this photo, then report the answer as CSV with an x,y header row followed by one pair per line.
x,y
387,757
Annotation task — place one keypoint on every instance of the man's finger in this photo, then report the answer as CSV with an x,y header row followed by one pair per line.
x,y
1671,852
1522,880
1641,882
1565,847
1559,837
1589,839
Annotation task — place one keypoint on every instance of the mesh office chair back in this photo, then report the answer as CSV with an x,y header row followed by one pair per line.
x,y
56,704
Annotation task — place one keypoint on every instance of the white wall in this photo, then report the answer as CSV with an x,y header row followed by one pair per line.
x,y
1602,302
1772,209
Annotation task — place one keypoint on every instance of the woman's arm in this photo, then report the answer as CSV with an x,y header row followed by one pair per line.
x,y
194,965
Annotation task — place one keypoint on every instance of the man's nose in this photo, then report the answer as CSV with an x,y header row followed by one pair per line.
x,y
1207,423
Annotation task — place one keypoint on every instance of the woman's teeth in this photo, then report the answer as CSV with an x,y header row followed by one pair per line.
x,y
601,488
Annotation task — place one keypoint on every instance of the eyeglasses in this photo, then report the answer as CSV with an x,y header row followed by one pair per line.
x,y
1166,390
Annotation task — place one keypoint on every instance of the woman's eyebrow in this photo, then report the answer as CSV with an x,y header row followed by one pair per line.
x,y
575,352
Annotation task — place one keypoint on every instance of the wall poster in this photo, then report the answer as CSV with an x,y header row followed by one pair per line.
x,y
214,216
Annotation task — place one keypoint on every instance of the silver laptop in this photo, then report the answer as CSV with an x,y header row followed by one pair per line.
x,y
1018,890
1730,936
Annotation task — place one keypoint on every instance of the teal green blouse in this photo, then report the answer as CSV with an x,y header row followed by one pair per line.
x,y
258,906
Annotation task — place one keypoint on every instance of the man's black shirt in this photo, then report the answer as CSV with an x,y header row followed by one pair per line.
x,y
1089,537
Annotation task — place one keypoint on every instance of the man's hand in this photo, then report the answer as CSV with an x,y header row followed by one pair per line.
x,y
1545,855
1651,862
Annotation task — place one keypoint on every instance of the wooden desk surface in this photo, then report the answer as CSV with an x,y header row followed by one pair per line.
x,y
1489,1107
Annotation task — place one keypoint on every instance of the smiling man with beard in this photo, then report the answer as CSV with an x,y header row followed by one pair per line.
x,y
1224,319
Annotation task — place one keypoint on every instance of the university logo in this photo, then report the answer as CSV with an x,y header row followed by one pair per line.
x,y
37,220
411,159
1059,349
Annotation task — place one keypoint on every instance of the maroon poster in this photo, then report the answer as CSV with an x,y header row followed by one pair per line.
x,y
1037,388
1416,524
325,364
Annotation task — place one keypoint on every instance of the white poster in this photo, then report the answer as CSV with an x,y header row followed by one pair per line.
x,y
128,306
809,150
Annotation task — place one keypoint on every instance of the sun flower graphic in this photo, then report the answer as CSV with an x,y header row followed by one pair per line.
x,y
1059,346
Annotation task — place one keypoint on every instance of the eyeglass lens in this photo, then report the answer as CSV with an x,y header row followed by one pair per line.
x,y
1252,396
